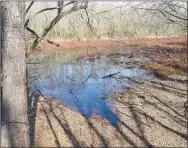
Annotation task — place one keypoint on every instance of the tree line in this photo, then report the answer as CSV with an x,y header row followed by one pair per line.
x,y
18,21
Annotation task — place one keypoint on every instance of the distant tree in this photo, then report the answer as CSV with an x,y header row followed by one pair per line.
x,y
173,11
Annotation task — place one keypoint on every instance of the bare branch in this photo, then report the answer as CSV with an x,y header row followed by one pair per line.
x,y
88,21
185,19
110,75
56,20
46,9
42,38
28,8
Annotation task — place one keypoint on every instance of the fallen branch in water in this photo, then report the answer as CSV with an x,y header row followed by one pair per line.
x,y
110,75
70,78
86,79
79,103
133,80
75,96
41,93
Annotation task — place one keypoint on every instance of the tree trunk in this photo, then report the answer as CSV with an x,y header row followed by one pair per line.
x,y
14,124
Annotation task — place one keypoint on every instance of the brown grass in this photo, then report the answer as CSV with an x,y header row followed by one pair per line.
x,y
169,43
166,68
172,63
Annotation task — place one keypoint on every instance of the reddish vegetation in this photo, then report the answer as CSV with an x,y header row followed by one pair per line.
x,y
171,43
84,54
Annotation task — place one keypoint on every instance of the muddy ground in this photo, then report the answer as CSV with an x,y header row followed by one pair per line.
x,y
152,112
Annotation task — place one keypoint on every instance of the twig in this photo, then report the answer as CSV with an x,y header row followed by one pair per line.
x,y
86,79
75,96
28,8
110,75
133,80
41,94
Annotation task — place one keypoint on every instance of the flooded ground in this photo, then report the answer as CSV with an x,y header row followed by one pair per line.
x,y
87,85
102,97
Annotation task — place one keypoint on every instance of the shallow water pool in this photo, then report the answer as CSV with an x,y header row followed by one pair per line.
x,y
80,84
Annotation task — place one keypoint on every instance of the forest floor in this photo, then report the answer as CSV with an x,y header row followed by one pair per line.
x,y
151,113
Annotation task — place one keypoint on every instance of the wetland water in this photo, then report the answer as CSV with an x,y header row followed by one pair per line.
x,y
79,84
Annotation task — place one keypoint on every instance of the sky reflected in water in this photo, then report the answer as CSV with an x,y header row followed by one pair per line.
x,y
80,85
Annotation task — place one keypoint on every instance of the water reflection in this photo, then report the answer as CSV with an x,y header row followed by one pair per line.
x,y
80,85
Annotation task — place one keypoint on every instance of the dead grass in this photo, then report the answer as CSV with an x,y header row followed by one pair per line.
x,y
158,121
165,68
172,63
143,43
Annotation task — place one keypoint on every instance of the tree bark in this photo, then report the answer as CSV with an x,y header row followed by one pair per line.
x,y
14,124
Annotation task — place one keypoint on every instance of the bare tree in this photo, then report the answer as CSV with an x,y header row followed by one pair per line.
x,y
174,12
14,131
60,5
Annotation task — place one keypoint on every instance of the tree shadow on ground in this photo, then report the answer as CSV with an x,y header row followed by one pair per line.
x,y
164,78
136,115
169,111
32,112
136,112
66,128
